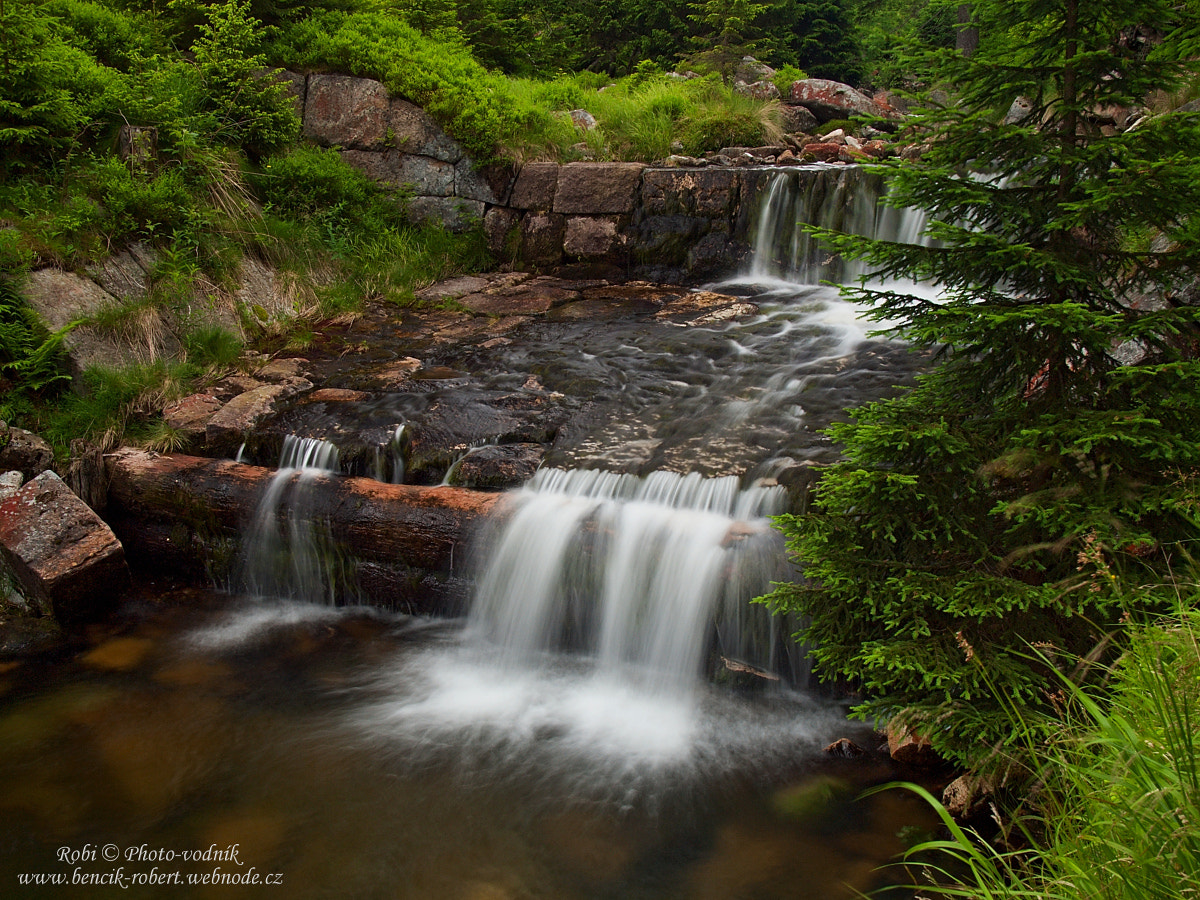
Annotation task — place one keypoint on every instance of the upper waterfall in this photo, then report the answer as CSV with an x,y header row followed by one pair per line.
x,y
842,198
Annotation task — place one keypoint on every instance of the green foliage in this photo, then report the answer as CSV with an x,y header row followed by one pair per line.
x,y
785,76
444,79
1027,489
30,357
819,36
728,30
1116,810
252,107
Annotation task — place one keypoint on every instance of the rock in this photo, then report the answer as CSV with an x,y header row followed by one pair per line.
x,y
710,255
191,415
823,151
65,559
705,194
498,467
295,86
428,177
61,298
452,288
233,423
597,188
759,90
751,70
677,161
910,749
471,183
24,452
1020,110
138,146
10,483
542,239
878,149
499,227
122,276
829,100
535,297
411,131
583,120
535,186
452,213
845,749
348,112
968,797
798,119
591,237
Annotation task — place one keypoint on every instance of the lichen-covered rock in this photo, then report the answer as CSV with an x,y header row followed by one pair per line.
x,y
542,239
597,188
413,131
231,425
452,213
343,111
829,100
23,451
66,560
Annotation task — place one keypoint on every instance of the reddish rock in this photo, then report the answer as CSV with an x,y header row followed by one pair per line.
x,y
191,415
65,559
878,149
597,188
845,748
347,112
235,421
499,227
823,151
910,749
829,100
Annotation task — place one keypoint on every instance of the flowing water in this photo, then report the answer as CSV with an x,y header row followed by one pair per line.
x,y
609,721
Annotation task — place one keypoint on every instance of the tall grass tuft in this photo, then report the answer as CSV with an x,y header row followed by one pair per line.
x,y
1114,812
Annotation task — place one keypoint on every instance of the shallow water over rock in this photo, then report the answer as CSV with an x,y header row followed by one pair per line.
x,y
356,754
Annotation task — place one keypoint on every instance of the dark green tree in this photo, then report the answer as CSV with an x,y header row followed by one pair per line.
x,y
1030,489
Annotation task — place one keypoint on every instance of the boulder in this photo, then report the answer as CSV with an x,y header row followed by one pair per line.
x,y
705,194
23,451
122,276
64,558
750,69
234,422
498,466
909,748
823,151
758,90
583,120
968,797
343,111
597,188
829,100
798,119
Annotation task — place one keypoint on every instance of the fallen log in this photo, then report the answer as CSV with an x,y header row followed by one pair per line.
x,y
185,513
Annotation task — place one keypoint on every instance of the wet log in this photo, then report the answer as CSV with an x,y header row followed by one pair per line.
x,y
175,508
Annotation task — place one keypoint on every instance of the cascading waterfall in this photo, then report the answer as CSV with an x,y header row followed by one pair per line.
x,y
636,572
288,551
842,198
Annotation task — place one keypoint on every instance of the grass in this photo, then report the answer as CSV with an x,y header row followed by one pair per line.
x,y
639,118
1113,812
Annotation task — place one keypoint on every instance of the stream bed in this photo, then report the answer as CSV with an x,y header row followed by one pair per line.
x,y
355,754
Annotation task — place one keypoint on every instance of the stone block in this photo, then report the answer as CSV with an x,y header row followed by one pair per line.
x,y
542,239
343,111
535,186
413,131
597,188
591,237
64,557
452,213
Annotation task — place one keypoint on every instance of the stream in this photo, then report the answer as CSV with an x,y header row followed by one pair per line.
x,y
613,718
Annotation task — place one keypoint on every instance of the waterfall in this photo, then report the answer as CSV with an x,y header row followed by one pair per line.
x,y
842,198
650,573
288,551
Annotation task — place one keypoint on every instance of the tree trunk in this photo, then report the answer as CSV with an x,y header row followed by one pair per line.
x,y
967,40
187,514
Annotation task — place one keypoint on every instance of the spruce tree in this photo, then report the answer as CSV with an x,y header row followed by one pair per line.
x,y
1007,511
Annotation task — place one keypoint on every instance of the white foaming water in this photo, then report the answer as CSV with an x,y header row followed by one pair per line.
x,y
840,198
287,551
643,573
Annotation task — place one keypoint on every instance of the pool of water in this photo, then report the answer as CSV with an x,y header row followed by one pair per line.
x,y
350,753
